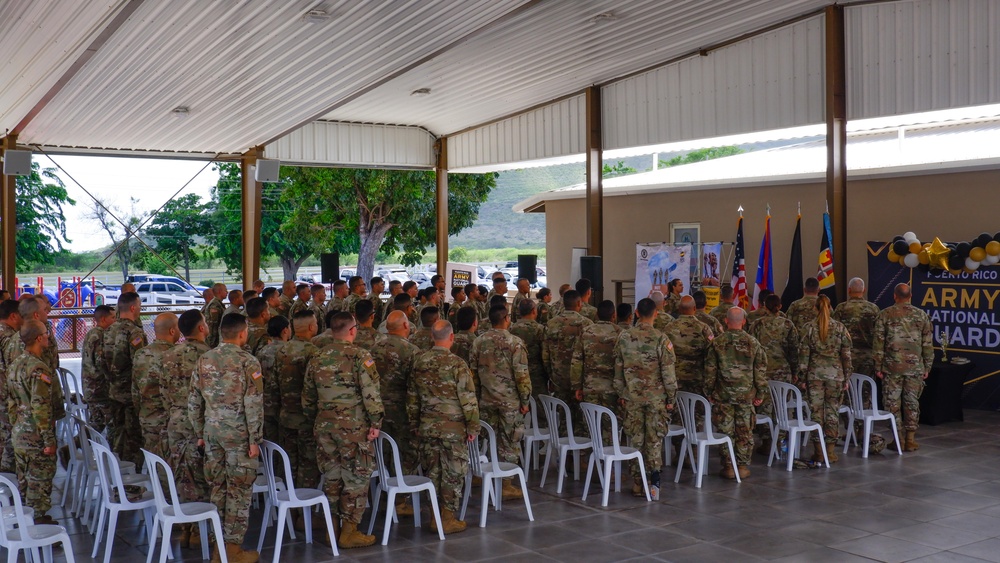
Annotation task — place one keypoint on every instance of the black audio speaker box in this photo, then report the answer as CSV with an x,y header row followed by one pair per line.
x,y
527,267
329,264
592,269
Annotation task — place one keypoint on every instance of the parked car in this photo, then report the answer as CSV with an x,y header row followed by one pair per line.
x,y
389,274
309,278
347,273
139,278
159,292
423,279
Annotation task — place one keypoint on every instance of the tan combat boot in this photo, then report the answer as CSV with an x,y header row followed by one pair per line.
x,y
638,490
727,471
449,523
351,537
817,452
185,538
322,537
910,444
194,537
404,507
236,554
510,492
831,452
744,471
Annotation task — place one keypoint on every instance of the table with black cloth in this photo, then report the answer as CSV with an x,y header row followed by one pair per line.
x,y
941,400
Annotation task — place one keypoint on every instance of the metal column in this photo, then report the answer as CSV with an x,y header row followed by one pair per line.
x,y
595,187
836,142
441,193
8,220
251,207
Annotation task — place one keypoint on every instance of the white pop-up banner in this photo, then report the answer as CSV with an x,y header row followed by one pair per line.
x,y
656,263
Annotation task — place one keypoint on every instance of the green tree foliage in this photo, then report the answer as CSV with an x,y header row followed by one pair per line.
x,y
618,169
702,154
41,224
173,230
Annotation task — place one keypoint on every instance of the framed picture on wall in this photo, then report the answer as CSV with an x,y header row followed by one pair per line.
x,y
689,233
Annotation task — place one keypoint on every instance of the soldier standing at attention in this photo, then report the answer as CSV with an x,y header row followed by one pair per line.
x,y
592,369
673,300
735,383
443,412
903,352
646,387
624,315
532,333
29,401
395,288
214,312
356,287
523,292
804,310
287,298
761,309
728,296
226,411
342,400
317,305
257,318
122,342
825,362
457,299
279,331
235,303
499,282
663,318
544,298
585,289
422,337
858,315
558,306
186,460
700,302
273,300
691,339
147,375
367,335
499,361
561,335
432,299
304,292
208,295
10,326
777,334
468,325
294,428
375,296
325,338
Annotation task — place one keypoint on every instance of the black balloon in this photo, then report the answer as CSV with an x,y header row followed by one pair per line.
x,y
956,262
983,240
996,237
963,249
924,268
894,239
900,247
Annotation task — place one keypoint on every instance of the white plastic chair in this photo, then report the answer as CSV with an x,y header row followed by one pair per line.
x,y
534,436
492,471
173,511
7,514
392,482
29,536
288,498
688,404
554,410
73,478
115,500
125,468
855,389
668,446
787,397
604,458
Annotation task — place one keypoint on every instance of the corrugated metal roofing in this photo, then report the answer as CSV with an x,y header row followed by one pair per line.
x,y
356,144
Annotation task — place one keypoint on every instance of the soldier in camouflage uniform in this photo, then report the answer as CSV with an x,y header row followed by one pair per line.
x,y
341,398
903,352
422,337
761,310
226,411
472,300
691,339
279,331
735,383
257,318
444,414
325,338
700,302
403,304
367,335
395,288
122,341
825,365
803,310
673,299
375,296
647,385
499,287
544,298
287,298
214,312
624,315
318,306
858,315
95,377
468,326
561,335
356,286
523,293
499,361
592,369
585,289
663,318
147,375
30,395
780,339
236,304
457,299
273,300
187,461
10,325
559,306
727,297
338,302
529,330
295,431
430,299
304,292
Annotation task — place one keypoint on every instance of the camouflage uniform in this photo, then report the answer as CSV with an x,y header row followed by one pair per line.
x,y
825,366
691,339
780,339
298,305
295,431
378,309
645,378
662,321
802,311
95,378
903,350
367,337
515,304
187,461
234,309
351,302
720,311
755,315
30,400
336,304
213,318
422,338
318,312
257,337
341,397
442,409
532,333
394,357
322,340
671,304
284,306
555,309
122,341
735,369
858,316
269,367
592,369
225,408
50,356
147,397
561,335
7,454
589,311
499,361
274,312
712,322
545,313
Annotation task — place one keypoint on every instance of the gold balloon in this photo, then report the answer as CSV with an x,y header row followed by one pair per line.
x,y
923,257
915,247
902,260
993,248
893,257
937,254
978,254
955,272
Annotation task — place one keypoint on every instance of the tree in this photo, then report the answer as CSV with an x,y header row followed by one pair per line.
x,y
702,154
619,169
41,223
123,229
173,229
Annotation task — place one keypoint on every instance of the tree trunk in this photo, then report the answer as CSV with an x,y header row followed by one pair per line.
x,y
290,265
371,237
187,264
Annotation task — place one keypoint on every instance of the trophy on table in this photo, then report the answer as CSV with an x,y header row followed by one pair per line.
x,y
943,337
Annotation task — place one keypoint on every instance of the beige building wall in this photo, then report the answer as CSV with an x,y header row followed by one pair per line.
x,y
954,206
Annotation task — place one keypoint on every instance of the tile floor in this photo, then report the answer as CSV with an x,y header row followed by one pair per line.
x,y
941,503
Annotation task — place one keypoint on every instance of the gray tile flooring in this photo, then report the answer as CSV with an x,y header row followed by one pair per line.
x,y
941,503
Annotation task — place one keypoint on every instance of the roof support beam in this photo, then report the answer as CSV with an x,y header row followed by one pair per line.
x,y
595,187
251,207
441,199
8,220
836,142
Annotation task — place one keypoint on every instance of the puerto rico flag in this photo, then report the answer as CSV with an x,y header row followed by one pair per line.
x,y
765,277
739,281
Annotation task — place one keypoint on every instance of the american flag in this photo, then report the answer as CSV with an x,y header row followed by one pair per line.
x,y
739,281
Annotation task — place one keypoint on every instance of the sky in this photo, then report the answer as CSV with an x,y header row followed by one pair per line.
x,y
115,179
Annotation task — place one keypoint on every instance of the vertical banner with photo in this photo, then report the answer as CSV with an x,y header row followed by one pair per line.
x,y
711,268
458,275
656,263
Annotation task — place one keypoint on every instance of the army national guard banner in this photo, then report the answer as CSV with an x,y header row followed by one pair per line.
x,y
965,307
656,263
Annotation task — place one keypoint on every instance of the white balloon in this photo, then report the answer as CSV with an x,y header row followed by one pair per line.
x,y
909,237
971,264
911,260
991,260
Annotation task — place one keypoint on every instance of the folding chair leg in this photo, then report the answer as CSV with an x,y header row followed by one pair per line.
x,y
822,440
792,445
590,471
97,535
217,526
545,467
465,496
282,515
702,464
524,493
868,436
680,460
437,512
376,492
895,436
265,523
329,530
607,482
562,464
203,530
487,486
732,459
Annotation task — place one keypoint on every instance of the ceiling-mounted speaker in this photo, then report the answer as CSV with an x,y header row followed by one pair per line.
x,y
267,170
17,163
